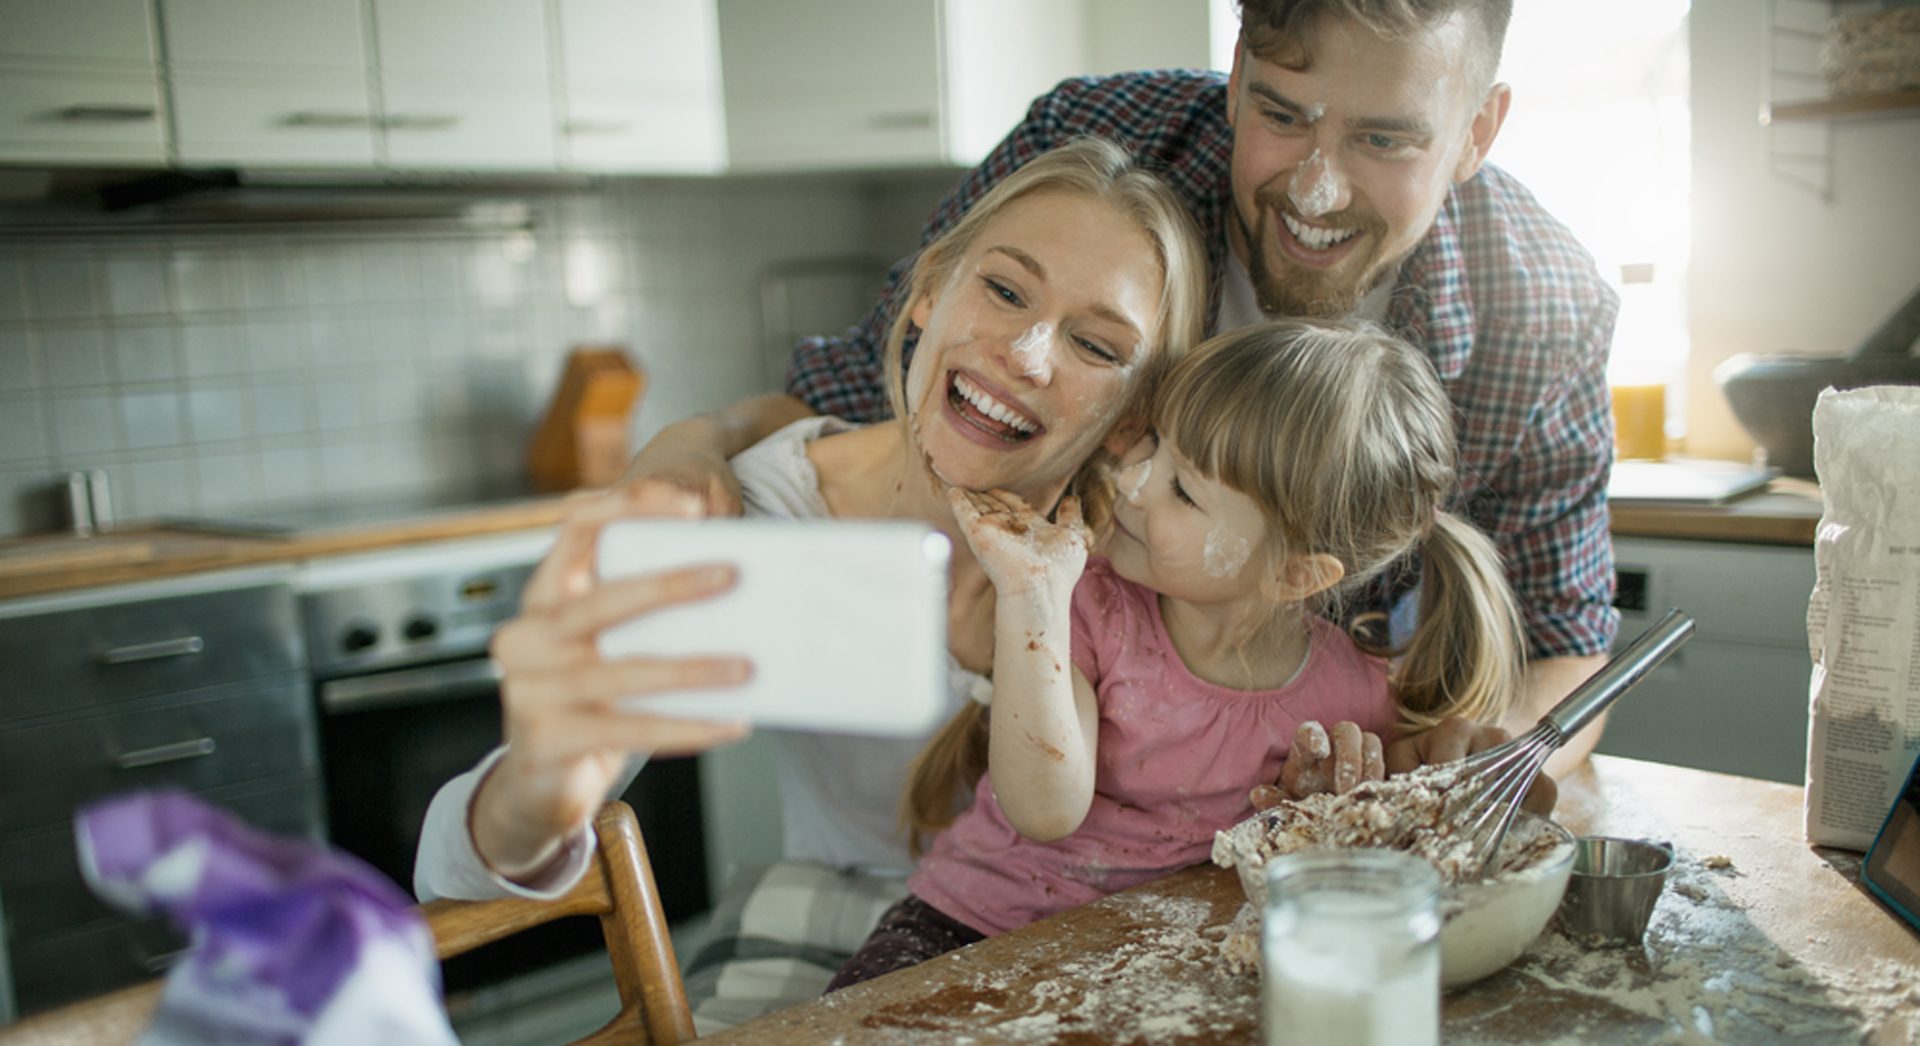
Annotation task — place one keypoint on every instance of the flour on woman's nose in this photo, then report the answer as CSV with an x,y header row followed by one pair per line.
x,y
1033,352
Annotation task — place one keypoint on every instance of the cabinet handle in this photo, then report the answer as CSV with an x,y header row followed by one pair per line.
x,y
177,752
906,121
107,113
595,126
327,121
419,122
154,651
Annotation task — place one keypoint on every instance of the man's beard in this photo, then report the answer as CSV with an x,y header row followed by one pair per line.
x,y
1304,292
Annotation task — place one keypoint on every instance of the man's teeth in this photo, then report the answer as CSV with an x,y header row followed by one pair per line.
x,y
991,407
1316,238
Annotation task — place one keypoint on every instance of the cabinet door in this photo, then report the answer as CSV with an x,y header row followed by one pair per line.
x,y
433,124
269,82
823,86
472,40
464,84
71,34
50,117
640,86
1000,56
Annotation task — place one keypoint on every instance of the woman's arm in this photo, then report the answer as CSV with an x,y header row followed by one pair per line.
x,y
692,454
1045,722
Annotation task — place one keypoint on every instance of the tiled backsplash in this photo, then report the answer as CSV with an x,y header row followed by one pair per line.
x,y
253,366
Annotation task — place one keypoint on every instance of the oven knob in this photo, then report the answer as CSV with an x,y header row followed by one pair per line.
x,y
420,628
359,637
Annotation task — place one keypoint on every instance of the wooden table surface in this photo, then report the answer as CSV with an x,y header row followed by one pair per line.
x,y
1758,938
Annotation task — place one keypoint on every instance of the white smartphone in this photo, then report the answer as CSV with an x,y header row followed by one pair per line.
x,y
845,621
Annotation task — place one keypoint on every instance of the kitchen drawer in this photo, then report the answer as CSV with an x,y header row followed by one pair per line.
x,y
46,898
74,966
197,740
1743,593
58,117
89,655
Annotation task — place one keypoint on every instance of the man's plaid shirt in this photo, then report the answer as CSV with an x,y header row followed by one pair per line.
x,y
1503,300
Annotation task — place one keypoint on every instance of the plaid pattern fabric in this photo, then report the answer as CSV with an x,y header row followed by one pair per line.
x,y
778,938
1499,295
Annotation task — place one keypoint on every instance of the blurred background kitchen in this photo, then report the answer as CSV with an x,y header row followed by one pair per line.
x,y
292,266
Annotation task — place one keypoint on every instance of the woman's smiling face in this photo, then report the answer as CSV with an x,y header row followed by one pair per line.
x,y
1030,344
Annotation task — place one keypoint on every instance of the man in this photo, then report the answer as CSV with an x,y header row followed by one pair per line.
x,y
1340,170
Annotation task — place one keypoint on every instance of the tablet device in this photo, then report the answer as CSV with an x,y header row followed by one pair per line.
x,y
845,621
1892,867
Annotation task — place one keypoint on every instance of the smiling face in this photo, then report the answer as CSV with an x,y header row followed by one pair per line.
x,y
1182,533
1031,342
1342,158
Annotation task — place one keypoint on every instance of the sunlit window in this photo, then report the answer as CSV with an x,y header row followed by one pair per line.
x,y
1600,132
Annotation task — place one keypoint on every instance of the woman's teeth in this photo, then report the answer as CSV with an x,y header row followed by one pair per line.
x,y
992,408
1316,238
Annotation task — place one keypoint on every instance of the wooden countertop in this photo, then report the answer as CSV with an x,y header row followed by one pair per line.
x,y
1758,938
1786,513
58,562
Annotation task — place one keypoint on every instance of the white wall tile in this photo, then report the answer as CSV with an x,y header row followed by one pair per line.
x,y
211,350
214,415
346,467
151,420
287,474
281,408
269,280
147,489
224,481
61,285
391,273
442,275
145,352
31,500
84,425
23,430
276,344
205,280
19,361
13,293
136,285
340,405
333,275
74,356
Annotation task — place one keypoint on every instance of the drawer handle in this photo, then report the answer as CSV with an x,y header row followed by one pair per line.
x,y
154,651
328,121
420,122
585,127
107,113
162,962
179,751
904,121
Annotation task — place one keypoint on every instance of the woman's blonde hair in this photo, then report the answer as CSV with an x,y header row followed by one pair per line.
x,y
956,757
1343,436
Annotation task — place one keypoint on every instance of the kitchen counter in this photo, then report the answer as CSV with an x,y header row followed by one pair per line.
x,y
1758,938
59,562
1786,513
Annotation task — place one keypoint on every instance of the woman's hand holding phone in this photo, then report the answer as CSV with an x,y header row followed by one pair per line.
x,y
567,741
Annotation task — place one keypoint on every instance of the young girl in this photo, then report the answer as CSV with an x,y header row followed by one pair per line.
x,y
1294,463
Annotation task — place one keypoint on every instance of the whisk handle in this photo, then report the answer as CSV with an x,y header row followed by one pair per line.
x,y
1620,674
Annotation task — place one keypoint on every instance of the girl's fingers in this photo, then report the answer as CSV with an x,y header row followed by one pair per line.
x,y
1311,740
1069,514
1347,744
1266,797
612,602
1373,760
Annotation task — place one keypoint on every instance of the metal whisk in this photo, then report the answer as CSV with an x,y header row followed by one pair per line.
x,y
1493,782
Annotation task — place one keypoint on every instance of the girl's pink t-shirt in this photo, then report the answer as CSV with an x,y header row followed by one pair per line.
x,y
1176,758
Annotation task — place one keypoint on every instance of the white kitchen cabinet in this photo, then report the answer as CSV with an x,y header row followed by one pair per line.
x,y
270,82
465,84
1734,698
887,83
639,86
79,83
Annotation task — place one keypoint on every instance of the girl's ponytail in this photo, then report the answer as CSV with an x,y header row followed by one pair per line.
x,y
1465,655
949,766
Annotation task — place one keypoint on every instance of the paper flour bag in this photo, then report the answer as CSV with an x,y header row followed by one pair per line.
x,y
1863,620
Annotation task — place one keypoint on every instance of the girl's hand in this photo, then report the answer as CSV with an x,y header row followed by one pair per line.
x,y
1456,738
1318,763
567,739
1020,550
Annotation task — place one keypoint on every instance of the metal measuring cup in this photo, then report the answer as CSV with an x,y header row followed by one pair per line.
x,y
1614,886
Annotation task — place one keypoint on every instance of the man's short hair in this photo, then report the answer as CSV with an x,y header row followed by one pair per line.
x,y
1282,30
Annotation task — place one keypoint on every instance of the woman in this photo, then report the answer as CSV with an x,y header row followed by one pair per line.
x,y
1041,318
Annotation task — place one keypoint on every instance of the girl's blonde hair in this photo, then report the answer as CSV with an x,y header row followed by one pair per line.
x,y
956,757
1343,436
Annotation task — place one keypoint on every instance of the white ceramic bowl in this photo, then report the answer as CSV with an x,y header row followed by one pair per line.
x,y
1489,923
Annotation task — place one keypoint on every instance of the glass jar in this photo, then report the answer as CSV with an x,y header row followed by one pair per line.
x,y
1350,949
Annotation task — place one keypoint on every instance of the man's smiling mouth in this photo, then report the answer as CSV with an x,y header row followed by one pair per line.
x,y
1314,237
980,409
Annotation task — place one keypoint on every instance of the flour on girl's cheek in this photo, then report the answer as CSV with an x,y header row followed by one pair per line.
x,y
1312,187
1224,553
1142,473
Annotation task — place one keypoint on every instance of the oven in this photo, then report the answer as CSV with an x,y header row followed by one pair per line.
x,y
407,698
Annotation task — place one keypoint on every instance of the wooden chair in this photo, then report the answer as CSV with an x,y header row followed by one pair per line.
x,y
619,889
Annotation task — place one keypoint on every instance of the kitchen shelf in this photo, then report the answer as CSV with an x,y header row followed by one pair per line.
x,y
1867,106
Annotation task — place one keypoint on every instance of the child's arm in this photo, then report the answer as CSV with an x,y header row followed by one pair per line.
x,y
1045,722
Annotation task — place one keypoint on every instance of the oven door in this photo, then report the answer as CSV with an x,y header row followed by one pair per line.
x,y
391,739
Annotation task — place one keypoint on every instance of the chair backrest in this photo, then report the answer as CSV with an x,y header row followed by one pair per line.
x,y
619,890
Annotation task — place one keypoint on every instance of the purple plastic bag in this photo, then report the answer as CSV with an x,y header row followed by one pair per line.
x,y
290,942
